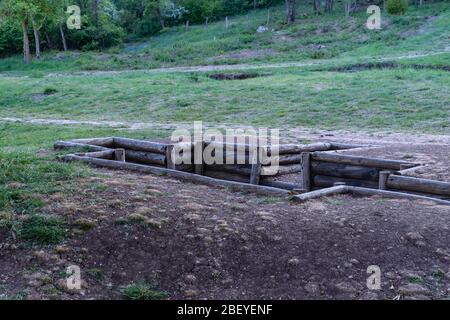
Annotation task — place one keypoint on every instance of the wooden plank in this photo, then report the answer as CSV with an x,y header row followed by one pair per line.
x,y
344,171
140,145
106,154
358,161
299,148
306,171
326,181
418,185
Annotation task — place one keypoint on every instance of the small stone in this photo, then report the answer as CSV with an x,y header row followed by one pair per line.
x,y
354,261
262,29
61,249
293,262
414,236
190,278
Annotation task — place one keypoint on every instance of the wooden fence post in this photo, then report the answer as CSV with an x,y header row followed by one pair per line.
x,y
119,155
384,175
198,157
306,171
170,160
255,176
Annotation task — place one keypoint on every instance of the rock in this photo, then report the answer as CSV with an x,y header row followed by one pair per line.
x,y
412,289
262,29
190,278
293,262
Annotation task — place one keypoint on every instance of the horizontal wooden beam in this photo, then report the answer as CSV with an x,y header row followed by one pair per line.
x,y
345,171
358,161
326,181
418,185
140,145
64,145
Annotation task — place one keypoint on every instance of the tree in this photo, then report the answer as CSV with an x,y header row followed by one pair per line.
x,y
44,10
20,10
290,11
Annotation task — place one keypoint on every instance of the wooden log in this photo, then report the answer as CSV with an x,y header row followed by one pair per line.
x,y
255,175
64,145
106,154
288,169
243,170
306,171
225,175
326,181
345,146
384,175
418,185
287,159
103,142
320,193
358,161
119,155
299,148
234,186
140,145
145,157
344,171
358,191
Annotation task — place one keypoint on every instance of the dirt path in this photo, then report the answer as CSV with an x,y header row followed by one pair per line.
x,y
287,134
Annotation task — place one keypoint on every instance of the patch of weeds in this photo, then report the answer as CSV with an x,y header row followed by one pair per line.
x,y
267,200
97,187
42,229
85,224
97,274
142,291
50,91
415,279
438,275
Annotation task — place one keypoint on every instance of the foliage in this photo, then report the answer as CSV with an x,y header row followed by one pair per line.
x,y
396,7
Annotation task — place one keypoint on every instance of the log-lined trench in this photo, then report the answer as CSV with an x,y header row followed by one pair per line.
x,y
320,167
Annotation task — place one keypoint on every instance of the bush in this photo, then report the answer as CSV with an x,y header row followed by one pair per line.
x,y
396,7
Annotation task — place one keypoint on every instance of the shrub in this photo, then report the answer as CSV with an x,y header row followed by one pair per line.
x,y
142,291
43,229
396,7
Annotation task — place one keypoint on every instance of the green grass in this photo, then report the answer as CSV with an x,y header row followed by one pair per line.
x,y
142,291
30,173
400,99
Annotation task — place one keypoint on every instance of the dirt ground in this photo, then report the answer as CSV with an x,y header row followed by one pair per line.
x,y
195,242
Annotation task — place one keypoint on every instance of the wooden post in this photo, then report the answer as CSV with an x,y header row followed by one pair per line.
x,y
198,157
306,170
119,155
170,161
256,166
384,175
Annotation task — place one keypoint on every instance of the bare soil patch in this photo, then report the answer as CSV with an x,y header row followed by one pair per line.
x,y
192,241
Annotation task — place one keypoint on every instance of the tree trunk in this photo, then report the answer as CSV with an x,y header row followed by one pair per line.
x,y
63,37
329,5
49,41
290,11
160,17
37,41
317,5
26,42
